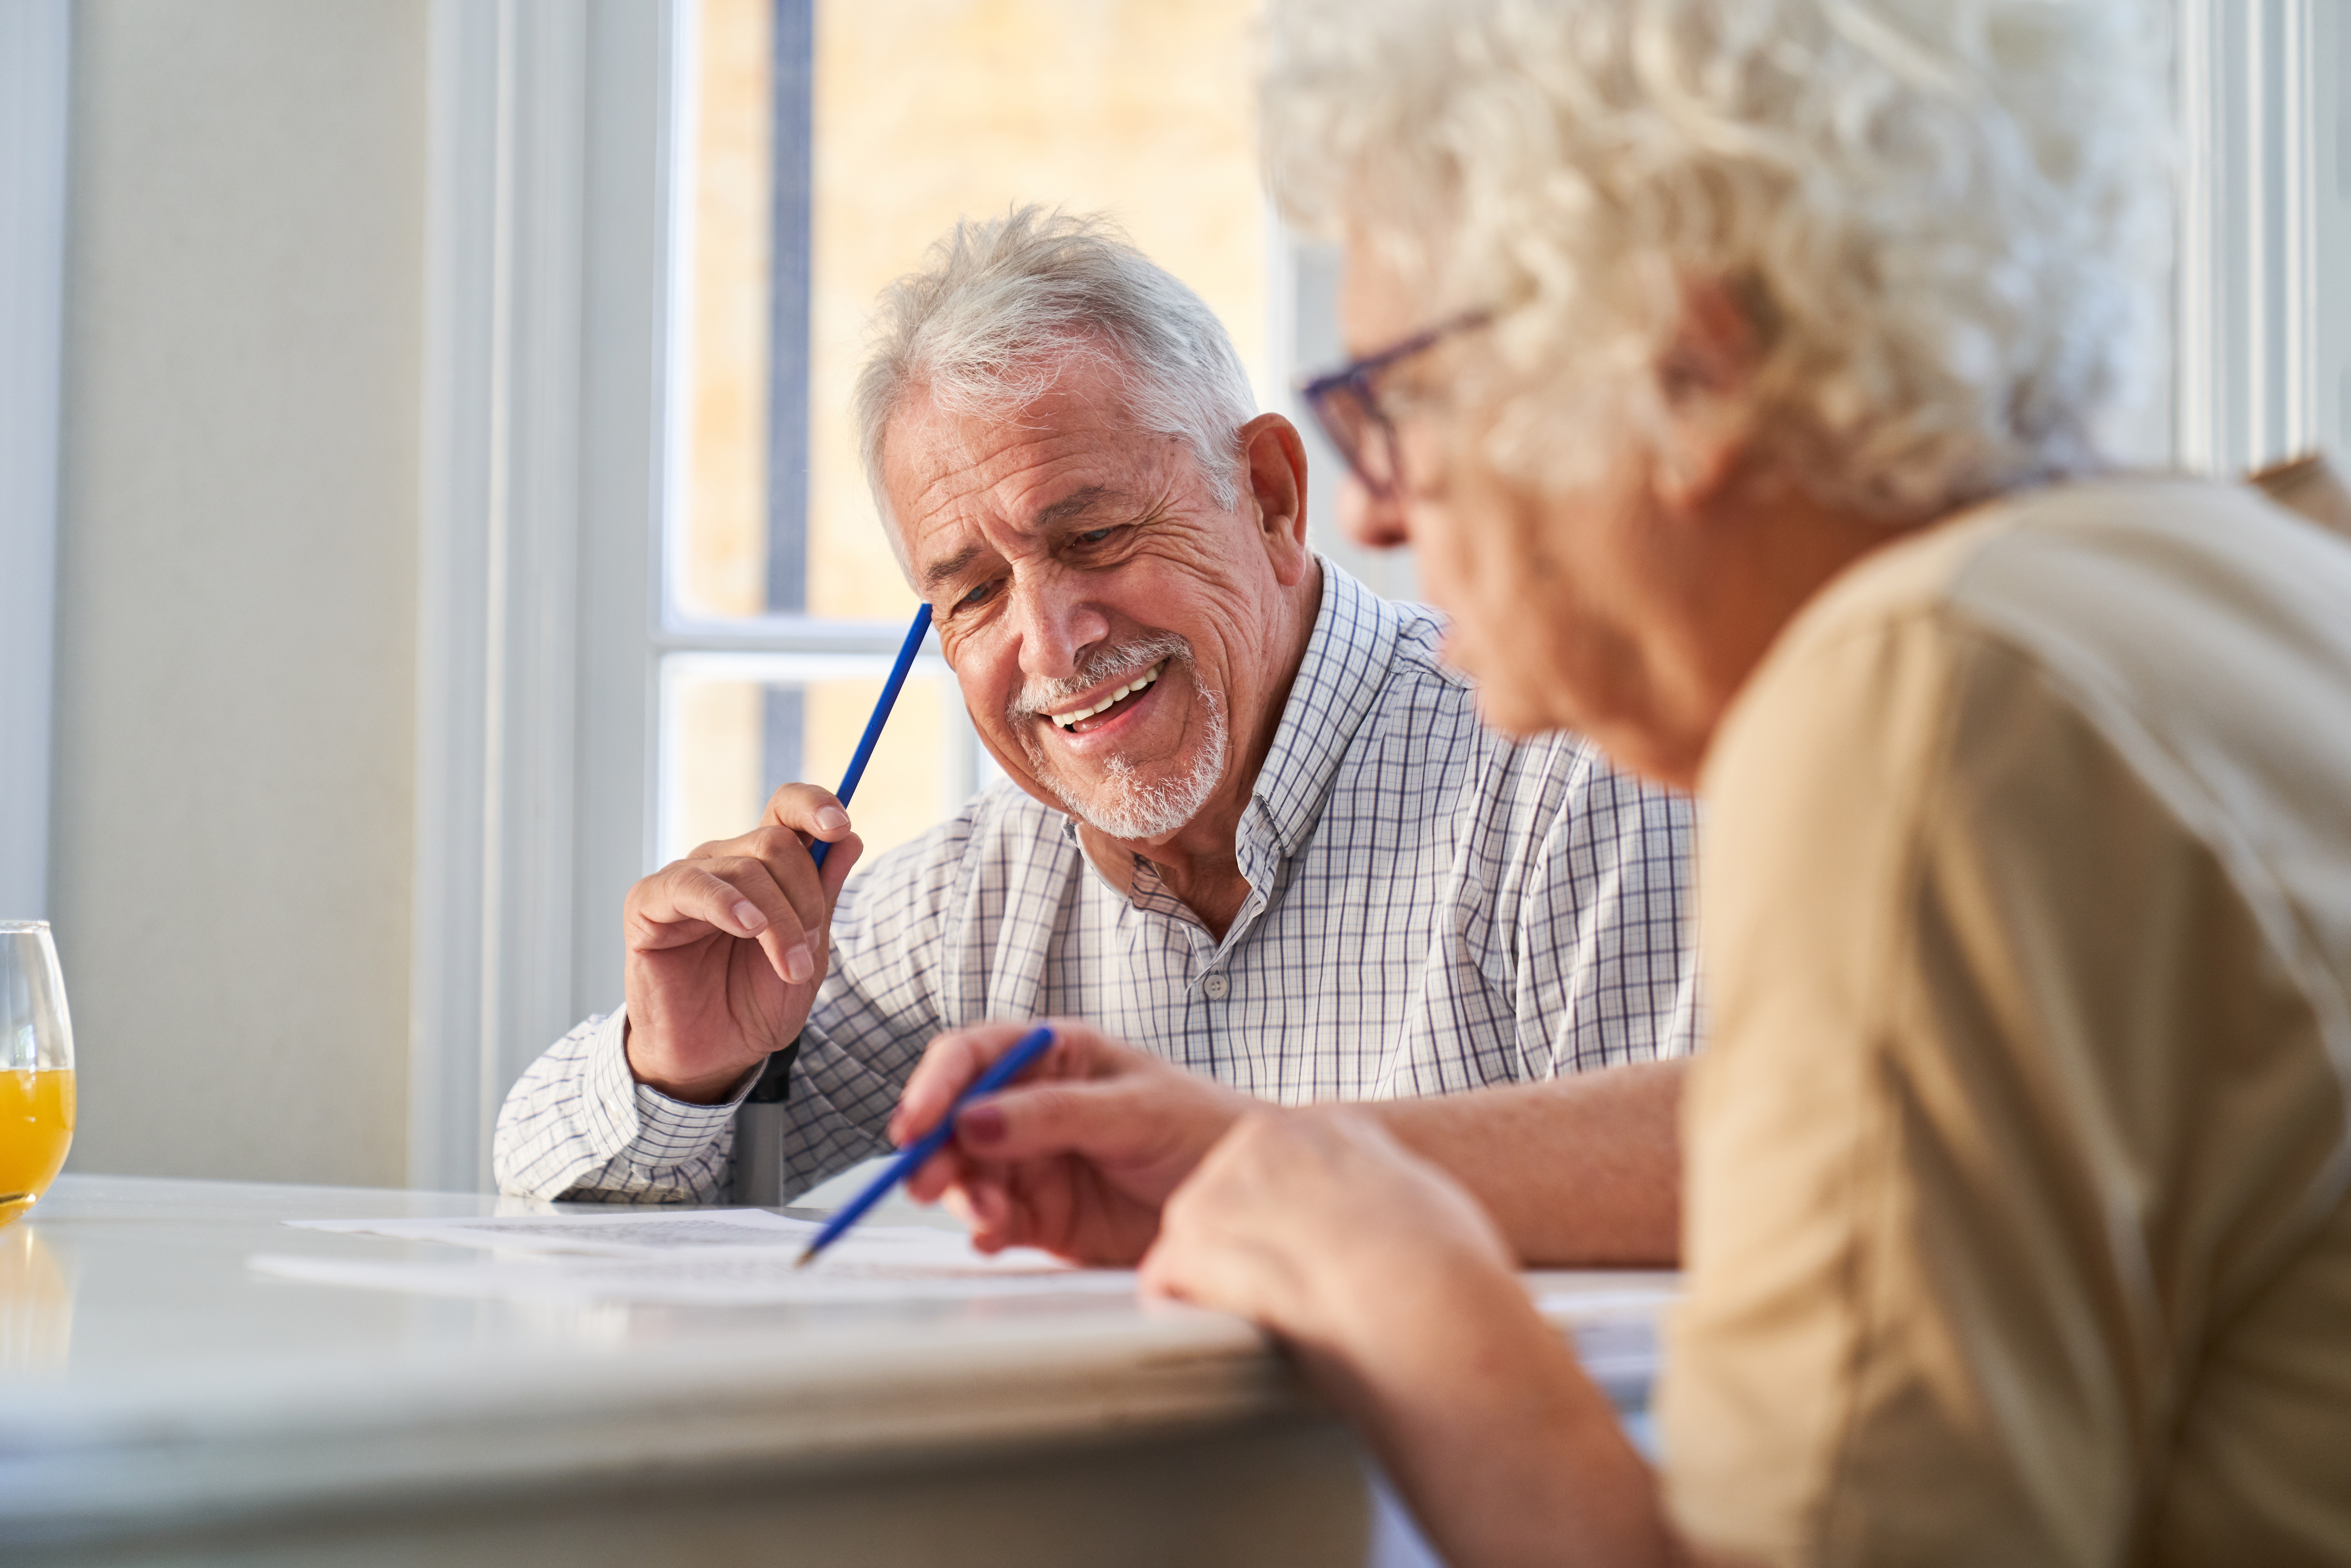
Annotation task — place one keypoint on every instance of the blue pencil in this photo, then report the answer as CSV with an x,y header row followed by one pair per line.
x,y
890,689
1006,1068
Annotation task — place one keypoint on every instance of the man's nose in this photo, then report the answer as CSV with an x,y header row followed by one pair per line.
x,y
1059,624
1372,521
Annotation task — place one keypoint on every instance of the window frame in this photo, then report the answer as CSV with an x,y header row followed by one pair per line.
x,y
786,645
2261,350
542,472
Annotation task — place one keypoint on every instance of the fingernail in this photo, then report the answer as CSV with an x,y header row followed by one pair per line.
x,y
981,1125
831,818
748,913
797,965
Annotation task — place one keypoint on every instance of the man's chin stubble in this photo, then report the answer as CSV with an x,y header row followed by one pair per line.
x,y
1126,805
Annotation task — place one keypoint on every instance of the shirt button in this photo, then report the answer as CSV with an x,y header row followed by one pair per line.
x,y
1216,985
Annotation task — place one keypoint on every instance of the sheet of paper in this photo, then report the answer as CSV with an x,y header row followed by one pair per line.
x,y
728,1277
636,1233
729,1257
745,1257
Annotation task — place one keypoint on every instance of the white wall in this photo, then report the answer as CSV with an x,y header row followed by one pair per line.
x,y
236,611
36,38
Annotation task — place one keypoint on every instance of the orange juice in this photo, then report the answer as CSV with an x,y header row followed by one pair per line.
x,y
37,1122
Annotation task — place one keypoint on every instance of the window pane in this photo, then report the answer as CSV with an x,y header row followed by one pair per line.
x,y
718,564
922,112
829,144
927,110
736,725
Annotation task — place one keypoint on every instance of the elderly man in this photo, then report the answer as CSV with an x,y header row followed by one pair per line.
x,y
1253,826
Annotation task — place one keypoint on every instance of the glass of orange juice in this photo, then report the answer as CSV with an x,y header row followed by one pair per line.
x,y
37,1079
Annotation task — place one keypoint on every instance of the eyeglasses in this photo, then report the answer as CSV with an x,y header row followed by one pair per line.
x,y
1346,405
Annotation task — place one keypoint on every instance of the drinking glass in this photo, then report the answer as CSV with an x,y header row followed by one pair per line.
x,y
37,1079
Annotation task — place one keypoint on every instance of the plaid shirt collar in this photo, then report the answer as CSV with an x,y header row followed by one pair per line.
x,y
1341,676
1344,672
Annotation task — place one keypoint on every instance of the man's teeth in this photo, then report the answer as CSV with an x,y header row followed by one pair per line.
x,y
1069,720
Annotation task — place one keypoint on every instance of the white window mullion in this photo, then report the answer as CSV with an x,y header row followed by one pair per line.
x,y
542,463
2330,238
2264,332
633,74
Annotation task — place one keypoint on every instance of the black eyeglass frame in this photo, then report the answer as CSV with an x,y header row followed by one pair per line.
x,y
1328,396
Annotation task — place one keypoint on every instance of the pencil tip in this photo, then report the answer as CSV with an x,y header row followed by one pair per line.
x,y
806,1259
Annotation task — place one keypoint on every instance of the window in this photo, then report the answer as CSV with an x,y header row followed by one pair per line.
x,y
652,584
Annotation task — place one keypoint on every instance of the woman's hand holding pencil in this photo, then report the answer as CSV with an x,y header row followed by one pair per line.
x,y
1076,1157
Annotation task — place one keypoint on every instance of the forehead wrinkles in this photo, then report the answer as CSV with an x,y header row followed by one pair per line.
x,y
991,475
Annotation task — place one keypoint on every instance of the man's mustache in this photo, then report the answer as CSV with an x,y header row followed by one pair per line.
x,y
1101,667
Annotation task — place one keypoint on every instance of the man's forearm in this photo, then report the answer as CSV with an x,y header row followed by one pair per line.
x,y
1583,1170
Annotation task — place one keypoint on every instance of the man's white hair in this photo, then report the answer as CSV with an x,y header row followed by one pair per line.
x,y
1000,306
1935,213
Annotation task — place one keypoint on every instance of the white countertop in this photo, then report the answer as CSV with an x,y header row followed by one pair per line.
x,y
144,1370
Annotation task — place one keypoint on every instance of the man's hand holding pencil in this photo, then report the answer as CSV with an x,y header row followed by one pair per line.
x,y
726,947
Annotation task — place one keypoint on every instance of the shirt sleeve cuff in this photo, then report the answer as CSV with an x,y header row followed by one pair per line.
x,y
650,1118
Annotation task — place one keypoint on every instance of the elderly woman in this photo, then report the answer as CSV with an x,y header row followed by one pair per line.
x,y
1734,367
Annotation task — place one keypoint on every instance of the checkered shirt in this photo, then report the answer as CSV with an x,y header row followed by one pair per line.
x,y
1432,908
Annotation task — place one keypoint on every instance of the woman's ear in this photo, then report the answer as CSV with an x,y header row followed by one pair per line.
x,y
1704,380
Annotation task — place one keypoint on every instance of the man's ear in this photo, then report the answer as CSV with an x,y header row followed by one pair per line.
x,y
1276,461
1705,378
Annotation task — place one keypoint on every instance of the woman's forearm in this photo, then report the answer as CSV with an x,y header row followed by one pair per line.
x,y
1400,1297
1507,1452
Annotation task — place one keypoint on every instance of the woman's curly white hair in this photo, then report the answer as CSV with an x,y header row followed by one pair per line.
x,y
1933,212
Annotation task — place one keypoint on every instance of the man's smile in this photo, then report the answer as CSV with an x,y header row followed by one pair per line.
x,y
1085,716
